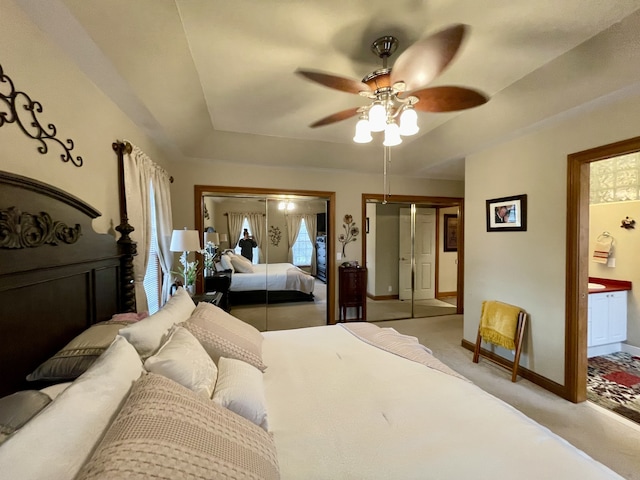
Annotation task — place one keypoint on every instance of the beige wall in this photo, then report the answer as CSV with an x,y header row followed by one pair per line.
x,y
447,261
528,268
76,107
607,217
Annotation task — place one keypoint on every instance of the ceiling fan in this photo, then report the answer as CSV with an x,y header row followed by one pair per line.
x,y
397,92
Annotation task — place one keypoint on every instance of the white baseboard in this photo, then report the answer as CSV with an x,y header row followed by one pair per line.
x,y
604,349
630,349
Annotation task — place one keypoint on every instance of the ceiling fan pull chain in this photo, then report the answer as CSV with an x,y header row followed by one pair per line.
x,y
386,158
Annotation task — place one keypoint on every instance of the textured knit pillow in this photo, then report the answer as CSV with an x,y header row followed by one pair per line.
x,y
79,354
148,334
240,389
223,335
184,360
166,431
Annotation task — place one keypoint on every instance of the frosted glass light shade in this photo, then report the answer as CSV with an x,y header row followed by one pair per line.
x,y
409,122
185,241
377,118
392,135
363,131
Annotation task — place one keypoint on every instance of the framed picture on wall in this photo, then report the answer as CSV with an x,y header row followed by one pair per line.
x,y
507,214
450,233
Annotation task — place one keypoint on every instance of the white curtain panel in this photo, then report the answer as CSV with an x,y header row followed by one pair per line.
x,y
164,226
140,172
234,221
293,229
137,181
256,224
311,222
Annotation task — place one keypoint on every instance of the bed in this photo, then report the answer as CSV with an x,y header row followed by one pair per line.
x,y
338,401
271,283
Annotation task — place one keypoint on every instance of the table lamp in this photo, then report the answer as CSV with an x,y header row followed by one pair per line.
x,y
185,241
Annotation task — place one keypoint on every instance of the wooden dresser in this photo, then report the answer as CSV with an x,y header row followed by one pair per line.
x,y
352,292
321,258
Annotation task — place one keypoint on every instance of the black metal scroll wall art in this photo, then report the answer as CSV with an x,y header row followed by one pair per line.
x,y
17,107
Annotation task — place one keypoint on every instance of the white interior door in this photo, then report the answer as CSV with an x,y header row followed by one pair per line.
x,y
424,252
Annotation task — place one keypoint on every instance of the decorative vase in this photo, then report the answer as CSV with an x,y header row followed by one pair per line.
x,y
191,289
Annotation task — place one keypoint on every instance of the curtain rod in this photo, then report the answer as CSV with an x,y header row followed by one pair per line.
x,y
127,148
226,214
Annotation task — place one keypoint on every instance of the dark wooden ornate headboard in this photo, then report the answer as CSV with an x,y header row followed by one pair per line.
x,y
57,275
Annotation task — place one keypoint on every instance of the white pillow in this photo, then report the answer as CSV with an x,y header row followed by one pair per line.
x,y
59,440
240,389
183,360
241,264
148,334
225,260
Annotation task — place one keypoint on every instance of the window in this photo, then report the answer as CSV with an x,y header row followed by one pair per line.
x,y
615,179
152,277
245,224
303,248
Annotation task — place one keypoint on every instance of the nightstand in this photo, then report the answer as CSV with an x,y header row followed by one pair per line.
x,y
352,292
212,297
219,282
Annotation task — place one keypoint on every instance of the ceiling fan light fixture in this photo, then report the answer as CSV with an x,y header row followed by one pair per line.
x,y
409,122
377,117
392,135
363,131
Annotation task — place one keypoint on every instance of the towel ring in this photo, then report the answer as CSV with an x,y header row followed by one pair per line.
x,y
605,235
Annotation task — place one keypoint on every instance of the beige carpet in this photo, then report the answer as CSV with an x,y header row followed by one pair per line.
x,y
379,310
282,316
604,436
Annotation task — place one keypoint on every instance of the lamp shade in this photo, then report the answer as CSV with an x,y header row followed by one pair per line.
x,y
212,237
223,237
185,241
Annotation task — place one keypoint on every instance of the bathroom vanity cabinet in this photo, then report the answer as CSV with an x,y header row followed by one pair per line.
x,y
607,322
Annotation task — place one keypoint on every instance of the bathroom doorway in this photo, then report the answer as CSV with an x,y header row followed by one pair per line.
x,y
578,255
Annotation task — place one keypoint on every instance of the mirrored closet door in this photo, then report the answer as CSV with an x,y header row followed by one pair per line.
x,y
287,282
412,272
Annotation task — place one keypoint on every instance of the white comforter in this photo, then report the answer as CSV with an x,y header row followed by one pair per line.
x,y
273,276
340,408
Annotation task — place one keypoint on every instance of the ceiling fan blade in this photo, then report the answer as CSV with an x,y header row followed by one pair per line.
x,y
423,61
336,117
447,99
333,81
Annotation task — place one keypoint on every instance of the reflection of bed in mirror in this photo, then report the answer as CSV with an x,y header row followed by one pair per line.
x,y
272,283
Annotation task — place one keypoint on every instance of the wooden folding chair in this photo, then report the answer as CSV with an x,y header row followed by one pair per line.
x,y
522,323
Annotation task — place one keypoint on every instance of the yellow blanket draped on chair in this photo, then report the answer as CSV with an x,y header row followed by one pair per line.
x,y
498,323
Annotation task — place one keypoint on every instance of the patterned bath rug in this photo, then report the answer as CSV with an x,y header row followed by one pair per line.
x,y
614,383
